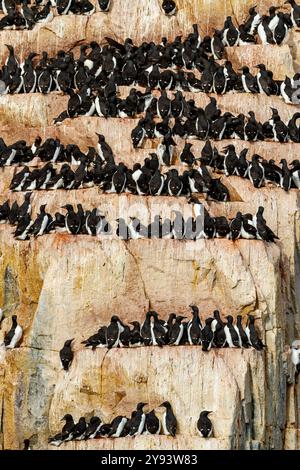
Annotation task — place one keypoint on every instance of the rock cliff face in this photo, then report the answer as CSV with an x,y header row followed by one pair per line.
x,y
65,287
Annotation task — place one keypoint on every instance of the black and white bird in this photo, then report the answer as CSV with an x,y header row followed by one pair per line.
x,y
169,421
114,329
137,423
230,33
14,335
295,355
66,433
295,13
176,331
232,333
41,222
252,335
66,354
207,335
169,7
256,171
104,5
72,220
79,429
194,327
152,424
93,427
26,444
204,424
117,426
295,172
187,157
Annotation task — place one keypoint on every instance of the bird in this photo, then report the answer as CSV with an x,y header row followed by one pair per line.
x,y
97,340
66,434
136,339
26,444
256,171
186,156
286,178
207,335
249,82
230,33
232,334
169,7
152,423
72,220
114,329
263,231
252,334
23,228
243,336
295,172
295,356
169,421
41,223
80,429
66,354
13,337
194,327
93,427
104,5
176,331
295,13
117,426
204,424
137,423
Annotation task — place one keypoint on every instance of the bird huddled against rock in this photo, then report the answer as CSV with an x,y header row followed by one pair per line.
x,y
140,422
153,331
93,222
258,170
13,337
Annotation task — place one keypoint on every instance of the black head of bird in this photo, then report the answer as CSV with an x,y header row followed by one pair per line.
x,y
68,342
140,406
244,69
67,417
68,207
165,404
195,309
272,10
229,318
261,67
251,318
135,324
252,10
95,419
205,413
114,319
14,319
43,207
260,210
154,314
180,318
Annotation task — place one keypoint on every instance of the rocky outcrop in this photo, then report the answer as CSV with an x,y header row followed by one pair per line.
x,y
62,287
